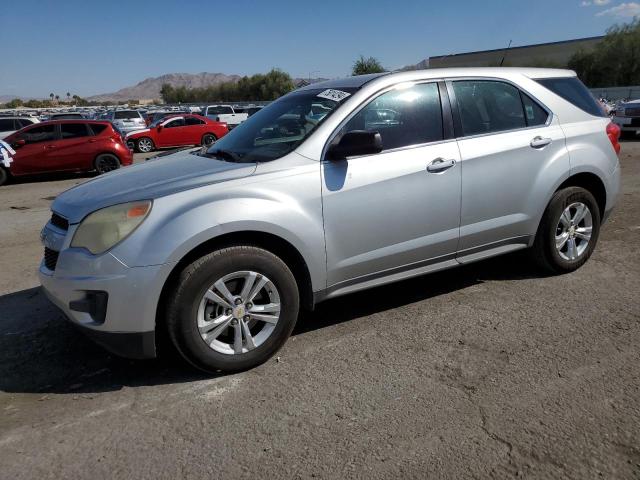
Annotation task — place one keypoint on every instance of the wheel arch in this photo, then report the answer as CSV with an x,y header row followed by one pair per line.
x,y
591,183
268,241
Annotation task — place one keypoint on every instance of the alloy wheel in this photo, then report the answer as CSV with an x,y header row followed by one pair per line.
x,y
573,231
145,145
239,312
107,163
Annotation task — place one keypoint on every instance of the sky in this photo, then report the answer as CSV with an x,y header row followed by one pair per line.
x,y
86,47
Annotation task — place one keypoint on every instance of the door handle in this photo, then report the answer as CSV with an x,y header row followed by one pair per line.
x,y
49,147
92,141
540,142
440,165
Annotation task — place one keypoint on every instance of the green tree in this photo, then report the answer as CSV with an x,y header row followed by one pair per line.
x,y
613,62
51,95
363,65
257,87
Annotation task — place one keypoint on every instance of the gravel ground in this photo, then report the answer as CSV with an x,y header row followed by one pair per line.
x,y
485,371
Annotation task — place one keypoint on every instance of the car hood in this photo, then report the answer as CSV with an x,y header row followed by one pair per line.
x,y
147,181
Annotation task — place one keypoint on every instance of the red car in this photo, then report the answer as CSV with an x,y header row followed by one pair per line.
x,y
65,145
177,131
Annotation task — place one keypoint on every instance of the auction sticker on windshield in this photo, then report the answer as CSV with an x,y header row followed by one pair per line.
x,y
335,95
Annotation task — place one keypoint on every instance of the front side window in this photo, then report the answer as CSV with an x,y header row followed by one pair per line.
x,y
405,116
73,130
44,133
488,106
178,122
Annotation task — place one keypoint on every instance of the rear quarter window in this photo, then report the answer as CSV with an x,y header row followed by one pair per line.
x,y
574,92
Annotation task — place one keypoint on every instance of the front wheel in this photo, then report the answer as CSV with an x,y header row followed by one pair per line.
x,y
568,232
4,176
106,163
208,139
232,309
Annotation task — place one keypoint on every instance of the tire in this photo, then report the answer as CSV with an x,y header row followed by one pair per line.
x,y
189,313
208,139
555,225
145,145
4,176
106,162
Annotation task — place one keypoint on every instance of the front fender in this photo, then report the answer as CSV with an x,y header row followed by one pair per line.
x,y
180,222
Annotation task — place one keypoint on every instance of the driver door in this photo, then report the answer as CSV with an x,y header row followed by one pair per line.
x,y
172,133
398,210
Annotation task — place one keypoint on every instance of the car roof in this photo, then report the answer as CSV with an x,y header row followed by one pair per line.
x,y
360,80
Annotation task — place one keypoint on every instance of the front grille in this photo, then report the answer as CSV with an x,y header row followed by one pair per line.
x,y
60,222
50,258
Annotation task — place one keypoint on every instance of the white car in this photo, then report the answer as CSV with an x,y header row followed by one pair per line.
x,y
627,117
226,114
8,125
126,120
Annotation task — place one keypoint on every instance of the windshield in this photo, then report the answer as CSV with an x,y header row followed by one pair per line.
x,y
219,110
280,127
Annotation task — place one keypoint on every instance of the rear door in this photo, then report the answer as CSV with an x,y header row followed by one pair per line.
x,y
507,141
75,148
195,129
35,155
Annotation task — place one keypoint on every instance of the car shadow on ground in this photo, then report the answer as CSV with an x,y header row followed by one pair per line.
x,y
51,177
40,352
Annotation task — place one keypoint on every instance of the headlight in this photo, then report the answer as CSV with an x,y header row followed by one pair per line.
x,y
103,229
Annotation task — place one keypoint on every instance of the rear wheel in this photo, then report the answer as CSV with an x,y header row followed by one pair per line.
x,y
145,145
208,139
4,176
232,309
568,232
106,162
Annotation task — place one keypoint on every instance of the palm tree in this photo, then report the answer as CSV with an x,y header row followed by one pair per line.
x,y
51,95
57,98
68,96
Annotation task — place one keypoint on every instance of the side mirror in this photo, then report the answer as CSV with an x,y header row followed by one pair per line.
x,y
356,142
19,143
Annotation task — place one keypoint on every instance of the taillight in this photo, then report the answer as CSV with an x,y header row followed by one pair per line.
x,y
613,132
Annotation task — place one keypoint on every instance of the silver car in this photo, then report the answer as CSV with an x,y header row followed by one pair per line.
x,y
126,120
334,188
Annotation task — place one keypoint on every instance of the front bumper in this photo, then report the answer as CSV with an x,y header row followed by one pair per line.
x,y
123,319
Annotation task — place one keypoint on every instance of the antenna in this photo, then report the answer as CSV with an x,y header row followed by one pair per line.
x,y
504,55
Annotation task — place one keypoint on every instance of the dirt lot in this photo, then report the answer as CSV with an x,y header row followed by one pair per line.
x,y
484,371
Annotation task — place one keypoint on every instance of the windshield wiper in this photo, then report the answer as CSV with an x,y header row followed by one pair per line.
x,y
226,154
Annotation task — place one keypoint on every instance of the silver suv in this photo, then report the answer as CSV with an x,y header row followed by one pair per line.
x,y
333,188
126,120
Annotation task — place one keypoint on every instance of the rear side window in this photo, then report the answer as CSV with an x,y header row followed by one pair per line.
x,y
403,117
488,106
97,128
126,114
534,114
193,121
574,91
44,133
73,130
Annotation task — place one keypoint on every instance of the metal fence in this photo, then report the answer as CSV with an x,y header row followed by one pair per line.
x,y
617,93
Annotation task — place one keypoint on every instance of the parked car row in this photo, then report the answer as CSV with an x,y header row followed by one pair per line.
x,y
627,117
